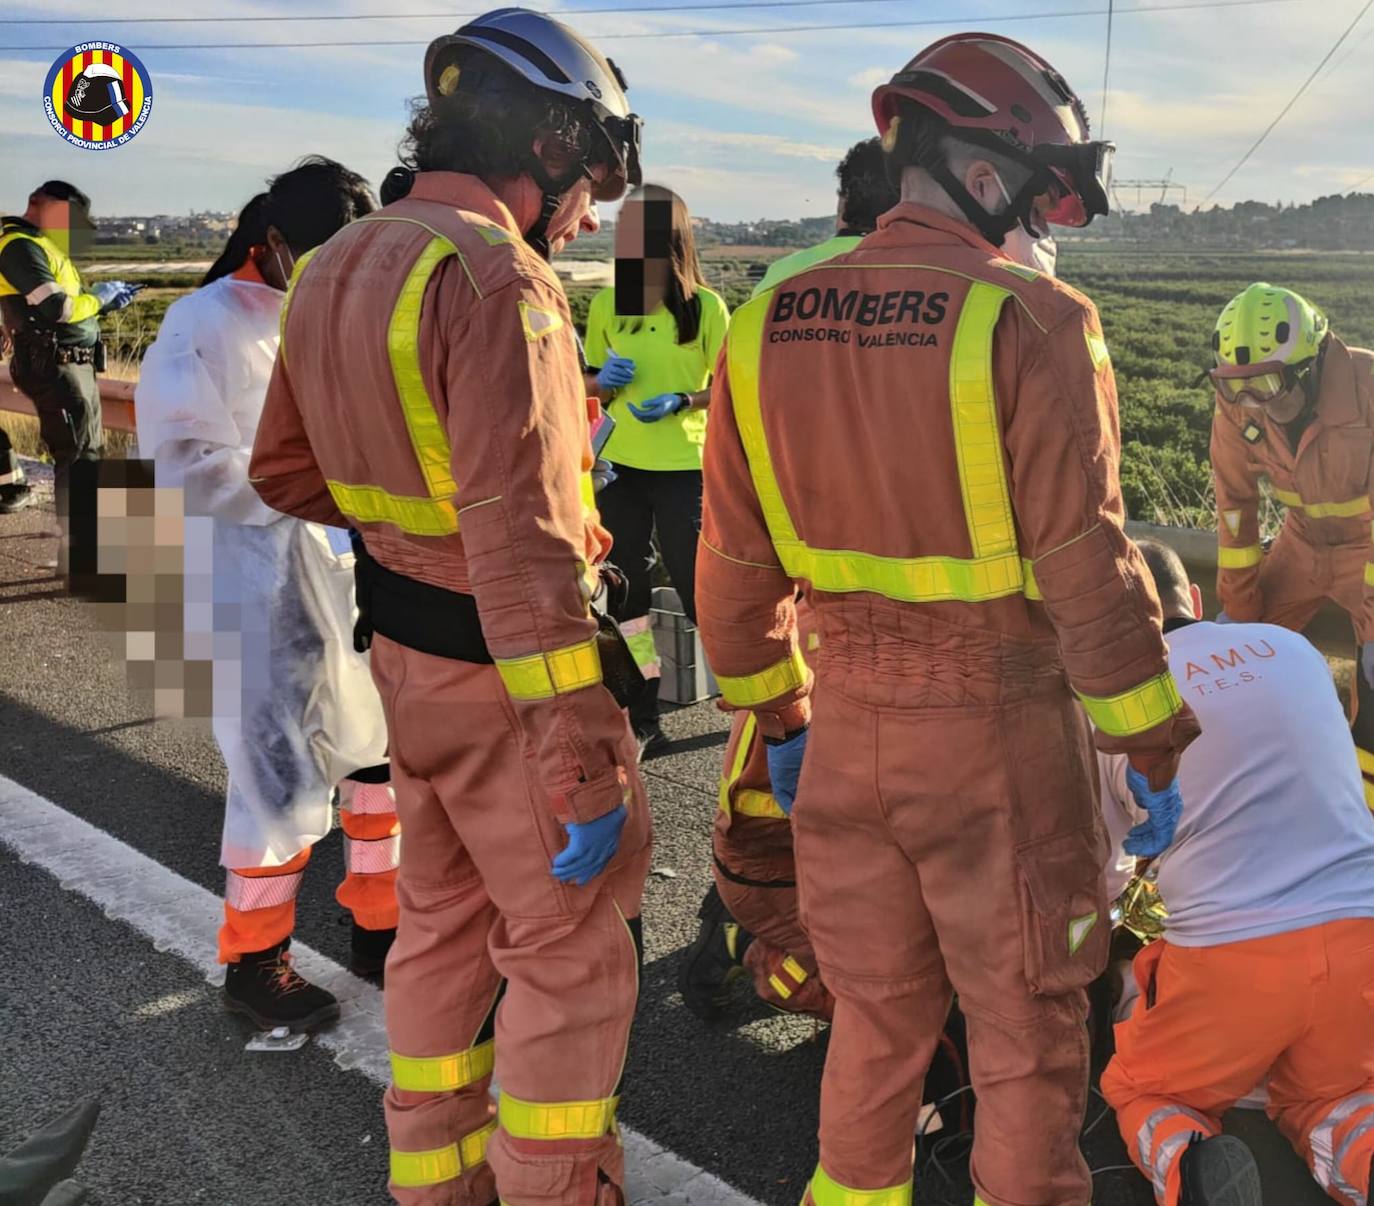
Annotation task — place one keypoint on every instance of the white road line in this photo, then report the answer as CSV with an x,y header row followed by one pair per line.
x,y
182,918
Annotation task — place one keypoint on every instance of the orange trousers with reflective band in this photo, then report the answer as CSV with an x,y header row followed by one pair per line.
x,y
497,967
260,902
1212,1021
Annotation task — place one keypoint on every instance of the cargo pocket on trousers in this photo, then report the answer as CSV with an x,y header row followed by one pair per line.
x,y
1065,929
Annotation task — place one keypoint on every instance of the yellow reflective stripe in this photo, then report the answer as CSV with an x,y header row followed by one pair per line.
x,y
1243,558
414,1170
296,271
736,766
1031,587
752,803
779,987
751,690
1366,760
443,1073
794,969
418,516
826,1192
554,672
1333,510
1136,710
906,579
1369,573
427,435
1369,795
977,434
555,1120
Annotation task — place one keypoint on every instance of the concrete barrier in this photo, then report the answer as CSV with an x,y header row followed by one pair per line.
x,y
116,401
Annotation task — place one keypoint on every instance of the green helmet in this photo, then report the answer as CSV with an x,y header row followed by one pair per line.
x,y
1266,325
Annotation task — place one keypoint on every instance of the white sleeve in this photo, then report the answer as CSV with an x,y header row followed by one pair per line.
x,y
1119,813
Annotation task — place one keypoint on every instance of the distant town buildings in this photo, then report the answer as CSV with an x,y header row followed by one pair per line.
x,y
209,228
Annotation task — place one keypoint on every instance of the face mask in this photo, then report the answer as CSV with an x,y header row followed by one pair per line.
x,y
1022,247
285,272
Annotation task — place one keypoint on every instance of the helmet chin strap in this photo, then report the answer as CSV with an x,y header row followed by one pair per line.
x,y
554,191
993,227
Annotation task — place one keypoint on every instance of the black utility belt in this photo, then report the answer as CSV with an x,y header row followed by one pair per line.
x,y
77,355
416,614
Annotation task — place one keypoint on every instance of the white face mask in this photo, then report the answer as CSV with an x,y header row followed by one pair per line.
x,y
1022,247
285,272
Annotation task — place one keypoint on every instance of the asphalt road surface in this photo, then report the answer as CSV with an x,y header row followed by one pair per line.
x,y
90,1004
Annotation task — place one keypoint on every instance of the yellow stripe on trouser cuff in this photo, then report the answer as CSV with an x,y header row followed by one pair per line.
x,y
750,690
556,1120
557,672
414,1170
1251,554
826,1192
1137,710
443,1073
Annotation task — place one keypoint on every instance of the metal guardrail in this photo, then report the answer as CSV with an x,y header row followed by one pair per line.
x,y
116,401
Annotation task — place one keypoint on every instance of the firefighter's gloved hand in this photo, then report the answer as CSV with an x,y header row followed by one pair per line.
x,y
603,474
591,845
114,295
658,408
618,371
784,767
1153,836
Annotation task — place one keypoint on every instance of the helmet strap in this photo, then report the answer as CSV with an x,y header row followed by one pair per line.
x,y
554,191
993,227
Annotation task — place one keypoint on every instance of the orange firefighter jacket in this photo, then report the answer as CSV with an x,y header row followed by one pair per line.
x,y
1326,484
925,421
428,394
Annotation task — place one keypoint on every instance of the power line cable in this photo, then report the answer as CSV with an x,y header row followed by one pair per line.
x,y
1244,159
1356,187
1106,69
1142,10
561,12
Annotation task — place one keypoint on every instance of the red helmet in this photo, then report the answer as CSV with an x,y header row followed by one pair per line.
x,y
999,94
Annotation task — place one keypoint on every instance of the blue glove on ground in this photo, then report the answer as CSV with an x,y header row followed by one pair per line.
x,y
784,768
658,408
591,845
114,295
1367,663
617,371
1152,837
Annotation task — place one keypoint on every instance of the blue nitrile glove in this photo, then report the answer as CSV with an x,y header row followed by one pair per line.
x,y
1367,663
603,474
1152,837
591,845
784,768
114,295
658,408
616,372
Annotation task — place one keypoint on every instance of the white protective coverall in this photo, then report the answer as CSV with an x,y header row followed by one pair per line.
x,y
268,597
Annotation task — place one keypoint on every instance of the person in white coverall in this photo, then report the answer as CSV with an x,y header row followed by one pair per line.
x,y
270,599
1266,967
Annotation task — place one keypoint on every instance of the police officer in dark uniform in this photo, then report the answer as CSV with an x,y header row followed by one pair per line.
x,y
51,320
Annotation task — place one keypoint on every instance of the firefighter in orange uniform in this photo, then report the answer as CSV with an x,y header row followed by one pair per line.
x,y
1296,405
429,395
923,432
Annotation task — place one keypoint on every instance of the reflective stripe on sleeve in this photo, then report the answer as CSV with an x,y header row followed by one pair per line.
x,y
1137,710
1349,509
556,1120
416,516
443,1073
751,690
1242,558
556,672
1369,573
41,294
828,1192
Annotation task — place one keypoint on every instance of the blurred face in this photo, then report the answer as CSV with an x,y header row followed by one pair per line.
x,y
576,214
47,213
643,268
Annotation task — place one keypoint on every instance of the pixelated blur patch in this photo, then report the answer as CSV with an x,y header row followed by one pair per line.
x,y
97,95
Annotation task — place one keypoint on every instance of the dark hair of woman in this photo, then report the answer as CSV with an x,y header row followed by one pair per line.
x,y
680,246
307,204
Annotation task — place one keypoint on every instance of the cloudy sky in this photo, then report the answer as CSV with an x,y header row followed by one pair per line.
x,y
743,117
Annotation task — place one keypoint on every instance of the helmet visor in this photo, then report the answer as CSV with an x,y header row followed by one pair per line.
x,y
621,135
1253,390
1083,173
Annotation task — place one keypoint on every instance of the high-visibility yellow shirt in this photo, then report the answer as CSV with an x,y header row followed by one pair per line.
x,y
662,366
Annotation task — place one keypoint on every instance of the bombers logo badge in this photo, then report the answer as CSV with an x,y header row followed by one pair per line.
x,y
97,95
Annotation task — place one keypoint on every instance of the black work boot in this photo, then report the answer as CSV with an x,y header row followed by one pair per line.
x,y
1218,1171
266,988
714,960
15,496
368,952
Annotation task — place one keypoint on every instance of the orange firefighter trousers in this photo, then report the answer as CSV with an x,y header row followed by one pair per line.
x,y
756,876
497,966
1211,1021
948,838
260,902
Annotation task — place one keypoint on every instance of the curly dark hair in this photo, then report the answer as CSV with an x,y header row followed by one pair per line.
x,y
487,127
864,186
